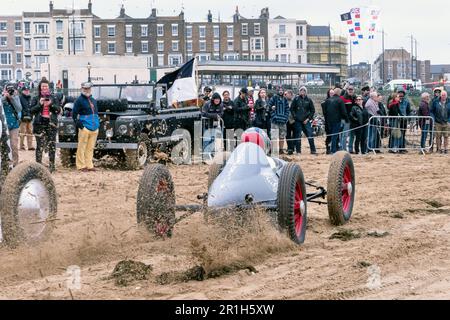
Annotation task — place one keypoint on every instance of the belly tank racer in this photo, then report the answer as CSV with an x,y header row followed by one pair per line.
x,y
246,179
28,199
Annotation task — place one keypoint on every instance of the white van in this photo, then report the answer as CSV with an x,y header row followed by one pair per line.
x,y
405,83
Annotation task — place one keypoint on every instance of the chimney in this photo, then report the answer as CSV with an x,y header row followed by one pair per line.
x,y
236,15
210,17
264,13
122,11
154,12
90,6
51,7
181,15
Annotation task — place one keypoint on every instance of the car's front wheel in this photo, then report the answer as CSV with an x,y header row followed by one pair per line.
x,y
136,159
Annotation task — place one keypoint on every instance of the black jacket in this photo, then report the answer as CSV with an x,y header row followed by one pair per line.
x,y
356,117
334,110
36,109
228,114
303,109
262,113
241,113
25,101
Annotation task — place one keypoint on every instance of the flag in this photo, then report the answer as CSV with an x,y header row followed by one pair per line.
x,y
346,16
356,15
374,15
181,84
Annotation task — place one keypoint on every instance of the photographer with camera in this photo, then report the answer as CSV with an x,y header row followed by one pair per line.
x,y
45,110
26,127
12,109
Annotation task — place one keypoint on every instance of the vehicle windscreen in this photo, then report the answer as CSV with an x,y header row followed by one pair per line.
x,y
106,93
136,93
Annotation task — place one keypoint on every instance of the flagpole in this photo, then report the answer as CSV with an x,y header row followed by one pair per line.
x,y
196,80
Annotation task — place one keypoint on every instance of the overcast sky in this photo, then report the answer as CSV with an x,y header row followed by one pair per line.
x,y
428,21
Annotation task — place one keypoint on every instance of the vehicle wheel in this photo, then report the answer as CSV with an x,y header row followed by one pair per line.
x,y
136,159
217,166
156,200
68,157
292,202
181,152
341,188
28,203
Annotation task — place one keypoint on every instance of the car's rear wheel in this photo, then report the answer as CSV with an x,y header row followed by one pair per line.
x,y
292,202
68,157
136,159
156,200
28,205
341,188
181,152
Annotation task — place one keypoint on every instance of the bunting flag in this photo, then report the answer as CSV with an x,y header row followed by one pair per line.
x,y
356,15
347,17
374,15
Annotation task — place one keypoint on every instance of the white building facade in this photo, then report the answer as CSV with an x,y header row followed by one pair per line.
x,y
287,40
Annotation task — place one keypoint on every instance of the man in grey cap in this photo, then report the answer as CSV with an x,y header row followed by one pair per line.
x,y
85,115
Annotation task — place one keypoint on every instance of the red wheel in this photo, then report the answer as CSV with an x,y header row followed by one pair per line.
x,y
341,188
156,201
292,203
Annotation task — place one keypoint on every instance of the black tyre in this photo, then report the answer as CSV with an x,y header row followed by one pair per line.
x,y
156,200
217,166
137,159
182,151
68,157
28,205
341,188
292,202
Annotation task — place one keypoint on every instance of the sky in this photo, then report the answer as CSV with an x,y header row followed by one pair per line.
x,y
427,20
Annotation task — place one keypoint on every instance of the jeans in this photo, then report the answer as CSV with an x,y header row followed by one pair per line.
x,y
46,138
373,135
308,131
334,128
291,138
351,141
425,133
344,135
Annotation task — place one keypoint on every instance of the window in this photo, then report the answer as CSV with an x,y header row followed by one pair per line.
x,y
97,47
144,46
5,58
189,31
97,30
216,45
204,57
18,58
216,31
245,57
244,45
257,29
216,56
77,27
230,31
299,30
281,43
129,30
175,30
129,46
41,28
59,43
111,31
283,58
28,62
40,60
27,27
175,45
112,47
202,45
18,41
245,29
160,46
257,44
202,31
257,57
79,45
17,26
59,26
27,44
160,59
300,59
300,44
3,41
160,30
6,74
42,44
3,26
189,45
189,56
175,60
282,29
230,45
144,31
19,74
230,57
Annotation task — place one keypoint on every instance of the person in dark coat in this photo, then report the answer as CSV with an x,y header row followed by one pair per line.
x,y
262,112
241,111
394,124
279,107
359,116
424,111
324,105
45,110
304,111
335,114
213,109
26,126
228,110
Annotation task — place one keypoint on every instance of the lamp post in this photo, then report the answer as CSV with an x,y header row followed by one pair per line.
x,y
89,67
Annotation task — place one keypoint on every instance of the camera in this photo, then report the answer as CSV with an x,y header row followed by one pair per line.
x,y
11,90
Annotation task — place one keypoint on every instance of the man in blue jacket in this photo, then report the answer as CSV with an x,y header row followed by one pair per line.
x,y
440,111
85,115
13,112
279,107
